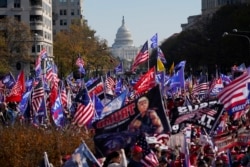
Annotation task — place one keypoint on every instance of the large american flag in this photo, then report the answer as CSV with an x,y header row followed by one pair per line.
x,y
149,157
85,110
236,93
37,96
141,57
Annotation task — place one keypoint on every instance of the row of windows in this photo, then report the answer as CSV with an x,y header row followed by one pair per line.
x,y
63,12
17,3
39,48
64,1
4,3
64,22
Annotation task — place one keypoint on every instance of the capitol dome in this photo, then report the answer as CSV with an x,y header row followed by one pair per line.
x,y
123,37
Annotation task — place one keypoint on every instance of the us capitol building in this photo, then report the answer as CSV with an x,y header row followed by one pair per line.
x,y
123,47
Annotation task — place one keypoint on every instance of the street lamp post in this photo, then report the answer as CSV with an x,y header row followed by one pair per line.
x,y
238,35
35,40
240,31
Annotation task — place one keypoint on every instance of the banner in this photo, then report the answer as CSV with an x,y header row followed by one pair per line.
x,y
204,114
120,128
149,117
241,137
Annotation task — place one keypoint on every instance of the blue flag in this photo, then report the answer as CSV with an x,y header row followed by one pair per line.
x,y
118,68
28,84
115,104
24,102
118,87
82,157
9,81
57,112
154,41
98,105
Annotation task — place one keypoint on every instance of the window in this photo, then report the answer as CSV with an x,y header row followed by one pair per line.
x,y
17,17
2,16
63,22
62,1
72,12
17,3
3,4
63,12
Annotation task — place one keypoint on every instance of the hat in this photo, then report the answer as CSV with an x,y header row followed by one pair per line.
x,y
137,149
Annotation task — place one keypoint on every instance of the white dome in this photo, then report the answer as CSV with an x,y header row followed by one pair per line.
x,y
123,36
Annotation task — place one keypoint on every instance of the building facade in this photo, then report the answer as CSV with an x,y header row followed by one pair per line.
x,y
210,6
123,47
65,12
37,14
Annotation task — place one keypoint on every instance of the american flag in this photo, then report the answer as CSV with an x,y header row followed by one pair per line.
x,y
64,97
208,111
162,56
37,96
141,57
85,110
49,73
200,87
110,84
235,94
239,114
149,157
43,54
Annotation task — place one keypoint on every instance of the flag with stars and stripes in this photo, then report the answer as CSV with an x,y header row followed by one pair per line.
x,y
141,57
149,158
85,109
37,96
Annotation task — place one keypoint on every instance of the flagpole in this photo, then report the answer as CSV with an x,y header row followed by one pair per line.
x,y
148,60
212,129
42,78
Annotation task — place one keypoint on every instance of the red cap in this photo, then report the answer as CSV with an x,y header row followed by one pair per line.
x,y
137,149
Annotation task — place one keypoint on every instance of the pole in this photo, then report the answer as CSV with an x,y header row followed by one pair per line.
x,y
35,40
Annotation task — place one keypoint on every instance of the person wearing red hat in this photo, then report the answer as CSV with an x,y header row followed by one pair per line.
x,y
136,156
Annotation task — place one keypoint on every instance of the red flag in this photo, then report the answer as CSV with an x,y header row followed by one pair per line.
x,y
146,82
17,90
53,94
